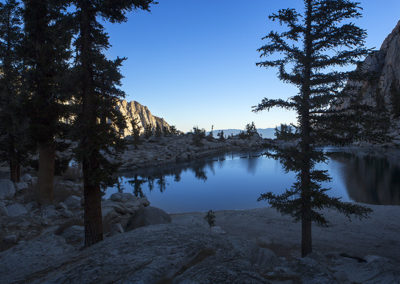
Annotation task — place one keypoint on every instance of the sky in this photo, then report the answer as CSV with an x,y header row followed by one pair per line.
x,y
192,62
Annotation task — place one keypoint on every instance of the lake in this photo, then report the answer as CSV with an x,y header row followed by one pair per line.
x,y
235,181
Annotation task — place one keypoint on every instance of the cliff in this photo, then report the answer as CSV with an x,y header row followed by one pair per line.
x,y
385,65
133,110
382,68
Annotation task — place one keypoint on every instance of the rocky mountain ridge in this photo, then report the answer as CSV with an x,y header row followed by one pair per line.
x,y
382,84
134,110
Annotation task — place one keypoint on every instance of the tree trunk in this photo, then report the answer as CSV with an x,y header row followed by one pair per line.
x,y
15,170
13,160
93,217
306,237
92,194
46,173
306,143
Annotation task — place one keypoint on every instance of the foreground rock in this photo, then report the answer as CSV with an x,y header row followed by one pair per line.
x,y
16,209
7,189
377,235
146,255
172,253
119,210
22,218
148,216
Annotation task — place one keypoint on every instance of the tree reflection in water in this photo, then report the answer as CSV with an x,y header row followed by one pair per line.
x,y
137,185
367,179
370,179
157,176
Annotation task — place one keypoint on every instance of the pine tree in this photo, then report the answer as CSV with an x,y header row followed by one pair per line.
x,y
198,136
221,136
135,131
14,141
251,129
173,130
98,95
48,35
284,132
210,136
158,132
320,39
148,131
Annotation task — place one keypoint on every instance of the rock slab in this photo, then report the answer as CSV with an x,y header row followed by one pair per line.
x,y
148,216
7,189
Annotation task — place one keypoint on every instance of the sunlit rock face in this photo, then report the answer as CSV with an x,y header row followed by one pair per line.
x,y
133,109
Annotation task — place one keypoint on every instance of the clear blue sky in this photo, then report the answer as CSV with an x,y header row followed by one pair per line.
x,y
192,62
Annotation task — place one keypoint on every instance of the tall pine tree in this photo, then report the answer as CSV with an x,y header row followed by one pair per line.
x,y
13,122
316,42
47,52
98,93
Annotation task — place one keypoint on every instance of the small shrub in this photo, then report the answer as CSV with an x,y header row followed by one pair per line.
x,y
148,131
285,132
251,129
198,136
173,131
242,135
210,136
249,132
210,218
158,131
135,132
221,136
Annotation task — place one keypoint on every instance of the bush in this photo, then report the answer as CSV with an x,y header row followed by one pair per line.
x,y
173,131
198,136
158,131
210,218
148,131
221,136
250,131
284,132
135,132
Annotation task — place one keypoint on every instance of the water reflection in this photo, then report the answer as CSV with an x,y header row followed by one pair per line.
x,y
252,163
199,168
370,179
156,177
137,183
235,181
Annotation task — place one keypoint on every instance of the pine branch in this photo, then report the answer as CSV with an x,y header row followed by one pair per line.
x,y
267,104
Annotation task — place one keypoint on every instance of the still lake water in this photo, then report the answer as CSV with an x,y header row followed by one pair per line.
x,y
236,180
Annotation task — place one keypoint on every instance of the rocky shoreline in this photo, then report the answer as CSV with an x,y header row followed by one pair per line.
x,y
161,151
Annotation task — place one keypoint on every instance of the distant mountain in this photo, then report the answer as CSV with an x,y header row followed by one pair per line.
x,y
264,132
